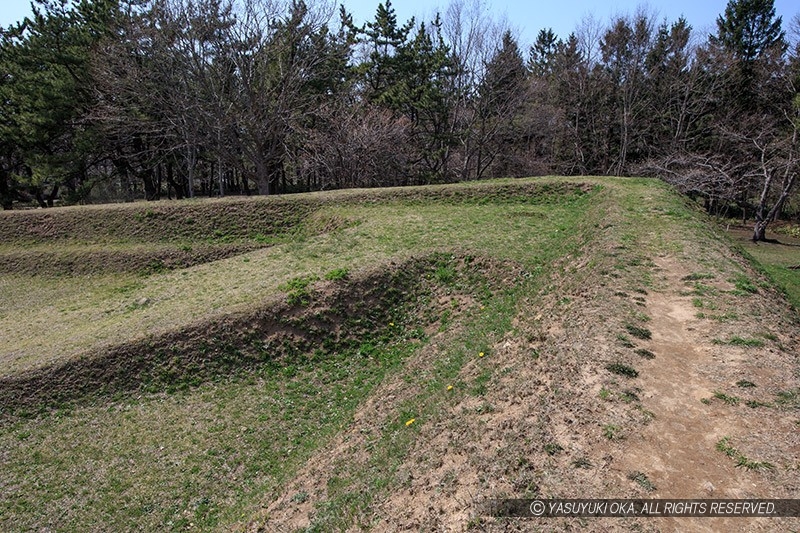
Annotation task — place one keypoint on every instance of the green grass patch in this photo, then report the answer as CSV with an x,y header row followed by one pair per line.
x,y
724,445
697,276
743,286
612,432
726,398
639,332
746,342
779,262
337,274
553,448
625,341
622,370
642,480
297,290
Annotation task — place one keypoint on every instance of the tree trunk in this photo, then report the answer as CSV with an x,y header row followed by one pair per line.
x,y
39,198
190,163
220,179
262,176
762,220
6,200
51,198
179,193
760,231
150,193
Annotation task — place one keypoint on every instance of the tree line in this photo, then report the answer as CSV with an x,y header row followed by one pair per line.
x,y
121,99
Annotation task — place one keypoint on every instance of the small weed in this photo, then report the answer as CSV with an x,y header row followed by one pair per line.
x,y
480,388
485,408
582,462
641,479
552,448
744,462
445,274
639,332
749,343
647,354
727,448
701,289
730,400
790,398
740,341
647,415
265,239
221,236
622,370
705,401
697,276
628,396
154,266
743,383
625,341
755,404
297,289
743,286
702,304
604,394
300,497
337,274
612,432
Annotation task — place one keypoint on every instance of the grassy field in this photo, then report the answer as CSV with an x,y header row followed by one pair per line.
x,y
197,387
779,259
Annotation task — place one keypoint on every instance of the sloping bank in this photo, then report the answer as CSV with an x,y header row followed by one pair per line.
x,y
314,317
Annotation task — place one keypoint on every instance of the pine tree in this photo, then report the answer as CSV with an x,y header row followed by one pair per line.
x,y
748,29
751,37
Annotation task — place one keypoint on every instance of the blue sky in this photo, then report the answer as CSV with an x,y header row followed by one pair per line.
x,y
525,17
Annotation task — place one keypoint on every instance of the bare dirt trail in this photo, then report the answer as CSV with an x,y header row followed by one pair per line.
x,y
678,449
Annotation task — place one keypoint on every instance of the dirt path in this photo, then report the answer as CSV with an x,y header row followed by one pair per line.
x,y
678,449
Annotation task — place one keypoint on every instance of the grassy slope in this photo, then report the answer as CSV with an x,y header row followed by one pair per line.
x,y
67,316
214,456
780,260
211,455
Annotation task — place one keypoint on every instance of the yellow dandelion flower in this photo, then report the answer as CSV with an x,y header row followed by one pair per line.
x,y
410,422
480,354
391,324
449,387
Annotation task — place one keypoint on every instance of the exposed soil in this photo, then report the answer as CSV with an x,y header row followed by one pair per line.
x,y
678,448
